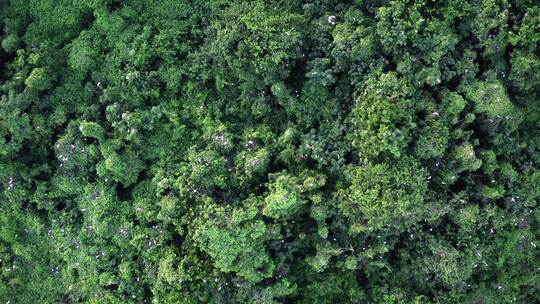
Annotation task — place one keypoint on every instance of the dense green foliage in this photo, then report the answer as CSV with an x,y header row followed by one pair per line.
x,y
168,151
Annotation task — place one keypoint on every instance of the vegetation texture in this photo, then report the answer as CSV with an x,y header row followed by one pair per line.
x,y
172,151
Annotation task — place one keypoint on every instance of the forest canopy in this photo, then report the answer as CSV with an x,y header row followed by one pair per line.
x,y
170,151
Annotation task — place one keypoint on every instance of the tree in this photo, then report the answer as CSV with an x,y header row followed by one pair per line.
x,y
382,195
383,116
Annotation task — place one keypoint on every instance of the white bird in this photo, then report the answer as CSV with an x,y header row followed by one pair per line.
x,y
332,20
